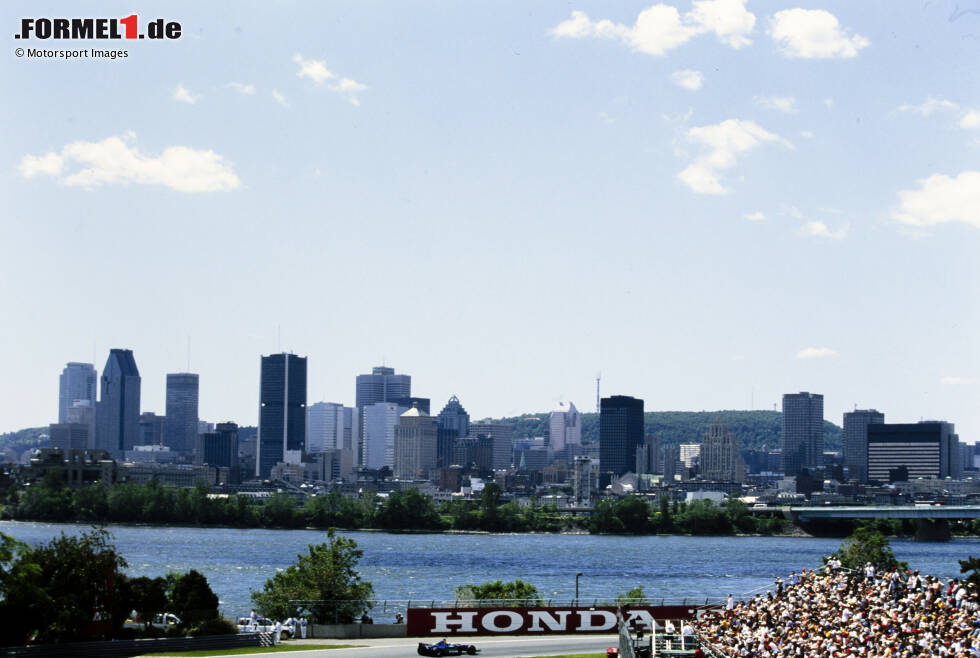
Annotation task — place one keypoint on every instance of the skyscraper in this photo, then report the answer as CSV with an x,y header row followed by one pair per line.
x,y
78,383
564,427
118,411
927,449
856,441
503,441
720,459
180,426
802,432
282,412
415,445
454,417
220,448
382,385
620,433
324,427
378,429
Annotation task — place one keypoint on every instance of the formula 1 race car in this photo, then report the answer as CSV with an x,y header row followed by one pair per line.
x,y
446,649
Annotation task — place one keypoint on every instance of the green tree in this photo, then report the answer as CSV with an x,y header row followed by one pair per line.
x,y
71,588
513,594
191,598
408,510
971,565
323,582
867,545
149,597
634,596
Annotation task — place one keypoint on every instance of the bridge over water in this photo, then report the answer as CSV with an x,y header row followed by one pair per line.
x,y
932,520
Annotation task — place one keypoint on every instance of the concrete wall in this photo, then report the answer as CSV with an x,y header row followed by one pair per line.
x,y
354,631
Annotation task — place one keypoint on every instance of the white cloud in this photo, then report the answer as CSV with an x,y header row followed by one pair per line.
x,y
815,353
940,199
279,98
818,229
829,102
806,133
183,95
930,106
118,160
785,104
971,119
722,143
688,79
813,34
756,216
956,380
242,88
660,28
316,70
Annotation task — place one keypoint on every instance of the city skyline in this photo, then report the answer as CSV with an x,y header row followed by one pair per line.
x,y
750,198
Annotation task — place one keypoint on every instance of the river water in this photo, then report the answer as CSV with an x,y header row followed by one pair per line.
x,y
427,567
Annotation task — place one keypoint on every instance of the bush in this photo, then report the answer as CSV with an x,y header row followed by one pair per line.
x,y
219,626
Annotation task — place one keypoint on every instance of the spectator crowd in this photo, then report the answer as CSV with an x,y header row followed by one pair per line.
x,y
842,612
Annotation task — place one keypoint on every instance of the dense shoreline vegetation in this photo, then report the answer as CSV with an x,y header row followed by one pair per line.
x,y
411,510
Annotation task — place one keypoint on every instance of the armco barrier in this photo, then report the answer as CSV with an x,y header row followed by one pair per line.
x,y
356,631
125,648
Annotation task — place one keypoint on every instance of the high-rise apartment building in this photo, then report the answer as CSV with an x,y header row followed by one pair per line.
x,y
648,456
582,481
282,412
78,383
415,445
928,449
802,432
620,433
82,412
382,385
118,410
564,427
324,426
856,441
720,459
152,429
220,448
180,428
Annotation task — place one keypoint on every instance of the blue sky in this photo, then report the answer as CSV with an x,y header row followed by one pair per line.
x,y
712,203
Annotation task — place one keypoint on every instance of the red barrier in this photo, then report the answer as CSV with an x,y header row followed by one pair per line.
x,y
443,622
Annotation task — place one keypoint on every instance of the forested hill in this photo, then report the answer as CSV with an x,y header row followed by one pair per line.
x,y
753,428
14,444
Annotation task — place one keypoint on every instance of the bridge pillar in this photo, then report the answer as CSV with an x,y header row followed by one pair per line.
x,y
932,530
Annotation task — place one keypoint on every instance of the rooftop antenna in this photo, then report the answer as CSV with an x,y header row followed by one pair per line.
x,y
598,399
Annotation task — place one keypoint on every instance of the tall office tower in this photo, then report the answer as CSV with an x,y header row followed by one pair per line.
x,y
382,385
856,441
415,445
648,456
672,464
424,404
690,454
503,441
378,428
454,417
620,433
220,448
282,412
82,412
324,426
720,459
68,436
582,481
564,427
180,429
928,449
352,430
78,383
118,411
152,429
802,432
